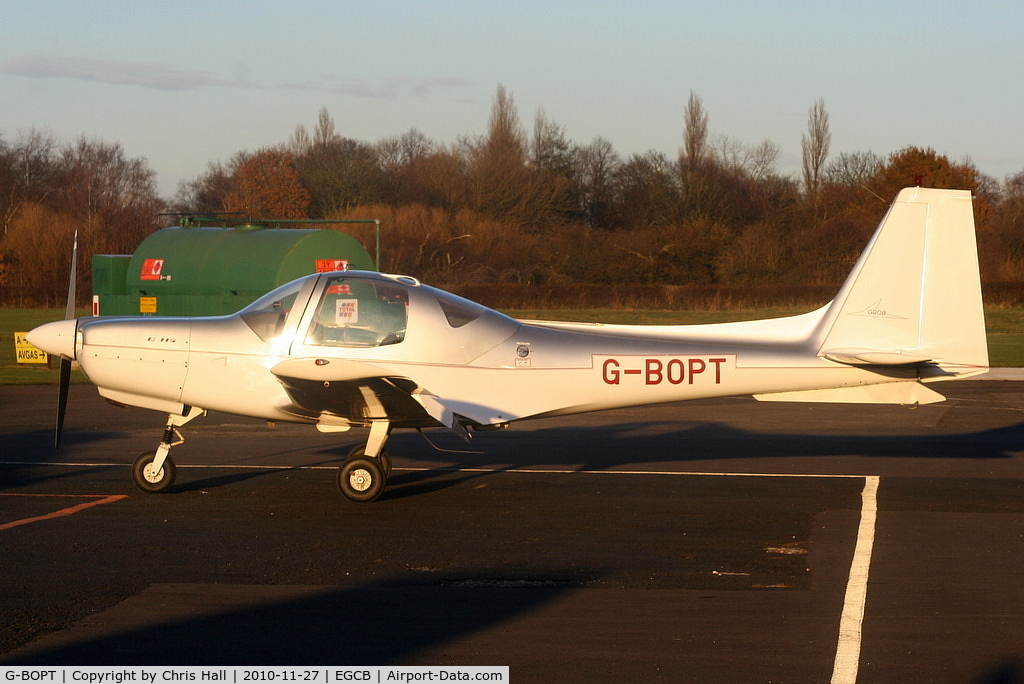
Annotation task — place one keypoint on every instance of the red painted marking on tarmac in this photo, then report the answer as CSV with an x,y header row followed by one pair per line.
x,y
71,510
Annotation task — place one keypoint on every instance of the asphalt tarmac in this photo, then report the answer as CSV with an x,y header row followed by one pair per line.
x,y
712,541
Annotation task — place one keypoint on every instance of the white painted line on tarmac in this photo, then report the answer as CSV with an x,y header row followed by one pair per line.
x,y
852,620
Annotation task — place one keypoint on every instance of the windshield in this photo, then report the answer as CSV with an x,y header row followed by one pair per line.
x,y
266,315
360,312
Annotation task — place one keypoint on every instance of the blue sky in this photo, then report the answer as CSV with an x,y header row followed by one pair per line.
x,y
185,83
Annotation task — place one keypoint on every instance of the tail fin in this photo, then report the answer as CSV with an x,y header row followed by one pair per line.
x,y
915,294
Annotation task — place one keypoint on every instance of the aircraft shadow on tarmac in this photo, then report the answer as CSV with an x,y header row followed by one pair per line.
x,y
617,446
623,444
592,447
384,623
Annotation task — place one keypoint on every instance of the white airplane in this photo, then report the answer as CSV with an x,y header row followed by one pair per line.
x,y
359,349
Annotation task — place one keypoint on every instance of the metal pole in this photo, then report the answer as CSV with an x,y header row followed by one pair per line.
x,y
377,221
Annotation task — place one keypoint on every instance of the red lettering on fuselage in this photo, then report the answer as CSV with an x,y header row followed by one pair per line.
x,y
662,370
610,372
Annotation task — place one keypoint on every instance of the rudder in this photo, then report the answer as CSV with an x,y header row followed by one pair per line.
x,y
914,295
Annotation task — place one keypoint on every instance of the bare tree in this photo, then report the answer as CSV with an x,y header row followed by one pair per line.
x,y
815,144
550,149
300,141
443,178
853,169
505,134
324,133
1007,231
28,172
403,150
647,191
114,196
594,171
732,154
697,164
336,172
205,193
498,173
88,186
760,159
695,133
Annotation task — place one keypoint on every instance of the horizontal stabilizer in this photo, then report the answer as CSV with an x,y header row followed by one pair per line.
x,y
873,357
906,393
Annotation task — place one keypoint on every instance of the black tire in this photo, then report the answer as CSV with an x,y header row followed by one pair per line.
x,y
146,480
361,479
384,457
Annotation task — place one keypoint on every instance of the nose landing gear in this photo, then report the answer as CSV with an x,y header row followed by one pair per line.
x,y
154,471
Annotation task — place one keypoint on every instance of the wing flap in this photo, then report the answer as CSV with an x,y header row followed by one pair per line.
x,y
455,414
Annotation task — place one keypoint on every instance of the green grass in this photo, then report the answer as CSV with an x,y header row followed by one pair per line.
x,y
1005,328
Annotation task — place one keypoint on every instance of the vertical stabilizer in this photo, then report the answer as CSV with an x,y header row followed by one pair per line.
x,y
915,294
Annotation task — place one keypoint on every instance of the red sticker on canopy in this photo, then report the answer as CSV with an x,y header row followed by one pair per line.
x,y
328,265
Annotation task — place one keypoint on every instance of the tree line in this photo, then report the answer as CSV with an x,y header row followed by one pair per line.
x,y
512,206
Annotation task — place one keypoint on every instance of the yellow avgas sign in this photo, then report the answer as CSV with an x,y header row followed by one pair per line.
x,y
25,352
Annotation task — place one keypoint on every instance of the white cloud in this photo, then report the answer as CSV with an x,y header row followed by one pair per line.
x,y
141,74
157,76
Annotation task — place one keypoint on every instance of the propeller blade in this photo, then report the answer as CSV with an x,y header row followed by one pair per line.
x,y
62,399
69,311
65,363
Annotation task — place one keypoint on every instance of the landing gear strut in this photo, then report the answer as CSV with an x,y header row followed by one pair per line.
x,y
154,471
365,472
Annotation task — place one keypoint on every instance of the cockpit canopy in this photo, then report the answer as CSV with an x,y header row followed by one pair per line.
x,y
362,310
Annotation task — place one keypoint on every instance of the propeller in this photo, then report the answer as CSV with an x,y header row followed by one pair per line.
x,y
65,362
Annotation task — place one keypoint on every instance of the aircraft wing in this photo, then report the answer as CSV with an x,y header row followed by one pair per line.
x,y
346,392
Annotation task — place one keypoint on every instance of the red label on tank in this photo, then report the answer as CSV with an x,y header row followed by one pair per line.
x,y
151,269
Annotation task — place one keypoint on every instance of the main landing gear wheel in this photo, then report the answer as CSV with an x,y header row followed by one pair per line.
x,y
153,481
361,479
384,457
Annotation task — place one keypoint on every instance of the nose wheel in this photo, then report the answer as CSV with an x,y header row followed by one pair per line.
x,y
153,478
154,471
